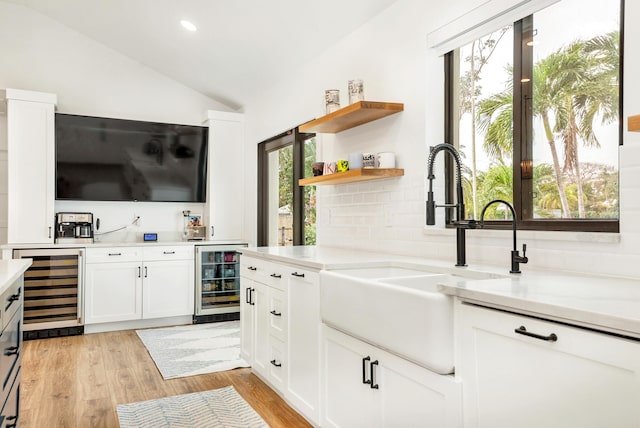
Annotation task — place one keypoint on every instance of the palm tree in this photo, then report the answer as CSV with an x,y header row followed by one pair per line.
x,y
572,86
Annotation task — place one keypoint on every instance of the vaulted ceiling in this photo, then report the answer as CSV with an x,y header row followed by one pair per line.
x,y
240,45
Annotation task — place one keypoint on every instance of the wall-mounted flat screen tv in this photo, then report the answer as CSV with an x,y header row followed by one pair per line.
x,y
102,159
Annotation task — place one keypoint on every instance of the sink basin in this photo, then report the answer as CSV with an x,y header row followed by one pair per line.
x,y
396,308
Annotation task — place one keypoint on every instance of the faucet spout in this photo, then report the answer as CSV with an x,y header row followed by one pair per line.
x,y
459,206
516,258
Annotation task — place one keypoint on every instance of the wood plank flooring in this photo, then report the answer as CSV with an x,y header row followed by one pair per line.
x,y
78,381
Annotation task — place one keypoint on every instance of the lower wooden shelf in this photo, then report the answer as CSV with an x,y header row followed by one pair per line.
x,y
352,176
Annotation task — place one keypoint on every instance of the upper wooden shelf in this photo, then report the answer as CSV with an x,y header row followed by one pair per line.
x,y
352,176
633,123
351,116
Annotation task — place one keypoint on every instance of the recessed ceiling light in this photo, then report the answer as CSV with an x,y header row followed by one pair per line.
x,y
188,25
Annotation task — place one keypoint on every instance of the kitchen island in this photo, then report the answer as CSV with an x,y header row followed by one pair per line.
x,y
539,348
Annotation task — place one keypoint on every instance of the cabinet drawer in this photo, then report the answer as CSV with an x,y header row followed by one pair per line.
x,y
180,252
11,300
269,273
113,254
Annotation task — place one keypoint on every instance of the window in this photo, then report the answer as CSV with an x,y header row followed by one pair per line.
x,y
534,109
286,211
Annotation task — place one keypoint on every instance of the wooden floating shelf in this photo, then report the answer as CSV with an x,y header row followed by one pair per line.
x,y
633,123
352,176
351,116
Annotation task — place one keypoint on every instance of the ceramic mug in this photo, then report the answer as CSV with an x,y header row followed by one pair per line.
x,y
317,168
329,168
368,160
355,161
386,160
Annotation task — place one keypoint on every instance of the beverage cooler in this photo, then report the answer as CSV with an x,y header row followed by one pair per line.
x,y
217,283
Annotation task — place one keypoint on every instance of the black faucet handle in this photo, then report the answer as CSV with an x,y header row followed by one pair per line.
x,y
524,250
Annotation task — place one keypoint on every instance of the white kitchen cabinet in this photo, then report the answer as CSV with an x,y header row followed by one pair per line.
x,y
224,211
264,331
31,160
520,371
113,292
364,386
303,351
131,283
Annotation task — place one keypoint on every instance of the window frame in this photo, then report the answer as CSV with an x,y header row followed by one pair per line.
x,y
295,138
522,118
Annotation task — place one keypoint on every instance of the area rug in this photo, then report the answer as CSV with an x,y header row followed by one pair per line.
x,y
194,349
211,409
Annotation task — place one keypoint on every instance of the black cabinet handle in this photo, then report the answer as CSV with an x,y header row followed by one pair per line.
x,y
364,371
11,350
114,254
550,338
252,268
276,364
139,271
145,272
252,302
169,252
11,299
374,385
299,275
277,314
276,275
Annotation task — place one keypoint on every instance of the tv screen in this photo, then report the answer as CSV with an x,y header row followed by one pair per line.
x,y
101,159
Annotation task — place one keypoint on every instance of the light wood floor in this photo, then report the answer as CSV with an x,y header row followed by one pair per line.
x,y
78,381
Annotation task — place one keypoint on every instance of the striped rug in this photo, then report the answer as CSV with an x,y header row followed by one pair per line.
x,y
194,349
217,408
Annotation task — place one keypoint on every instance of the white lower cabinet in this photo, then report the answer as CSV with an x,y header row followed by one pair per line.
x,y
113,292
520,371
364,386
132,283
303,357
263,318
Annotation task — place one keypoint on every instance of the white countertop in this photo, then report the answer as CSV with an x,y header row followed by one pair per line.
x,y
102,244
10,270
604,303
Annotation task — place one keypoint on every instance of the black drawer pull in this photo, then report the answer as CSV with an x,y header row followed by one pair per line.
x,y
115,254
374,385
169,252
276,275
364,371
11,350
299,275
252,268
522,330
276,364
277,314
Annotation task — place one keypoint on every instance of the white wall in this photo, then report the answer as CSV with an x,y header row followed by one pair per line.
x,y
390,54
39,54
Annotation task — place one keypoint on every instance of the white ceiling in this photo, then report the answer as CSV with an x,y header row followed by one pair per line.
x,y
240,47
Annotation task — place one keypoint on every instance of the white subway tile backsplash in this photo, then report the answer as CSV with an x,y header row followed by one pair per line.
x,y
388,216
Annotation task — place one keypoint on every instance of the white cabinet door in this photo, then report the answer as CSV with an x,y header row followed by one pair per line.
x,y
224,213
303,328
30,133
365,386
261,351
247,319
581,379
348,399
113,292
168,288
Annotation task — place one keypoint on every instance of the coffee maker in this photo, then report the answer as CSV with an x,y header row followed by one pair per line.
x,y
74,227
